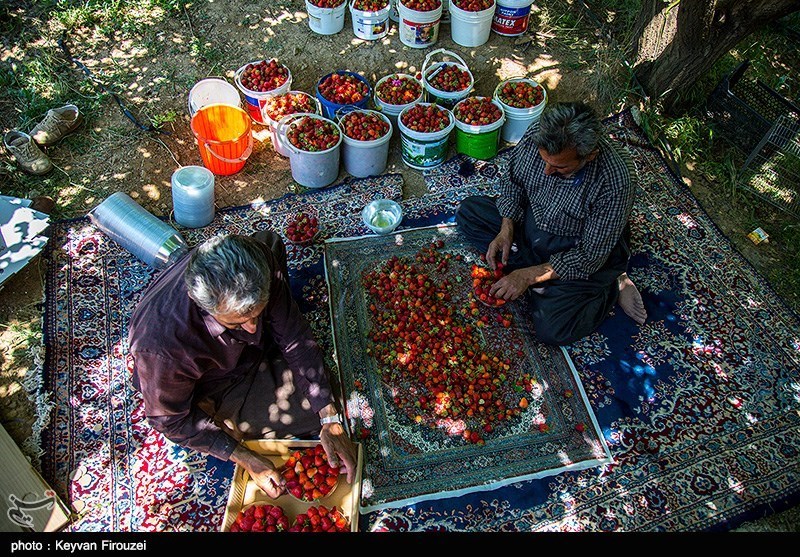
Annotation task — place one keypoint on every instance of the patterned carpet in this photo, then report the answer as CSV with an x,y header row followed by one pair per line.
x,y
699,407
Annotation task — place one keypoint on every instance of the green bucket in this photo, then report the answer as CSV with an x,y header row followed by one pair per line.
x,y
479,142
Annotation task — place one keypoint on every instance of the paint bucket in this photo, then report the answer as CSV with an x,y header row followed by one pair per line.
x,y
224,137
447,99
511,17
254,100
393,110
518,120
418,29
326,21
423,151
193,196
479,142
369,25
365,158
273,122
212,90
140,232
312,169
470,28
330,108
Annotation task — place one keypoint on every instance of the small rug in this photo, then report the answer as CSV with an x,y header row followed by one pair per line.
x,y
456,397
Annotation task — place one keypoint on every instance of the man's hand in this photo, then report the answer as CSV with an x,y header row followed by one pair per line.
x,y
261,470
339,449
511,286
501,243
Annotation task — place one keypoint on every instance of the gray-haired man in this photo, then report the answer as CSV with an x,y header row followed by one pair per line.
x,y
560,225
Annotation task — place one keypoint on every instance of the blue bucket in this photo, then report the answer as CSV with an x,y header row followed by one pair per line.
x,y
329,109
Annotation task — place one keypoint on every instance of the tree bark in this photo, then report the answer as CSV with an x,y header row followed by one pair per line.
x,y
675,43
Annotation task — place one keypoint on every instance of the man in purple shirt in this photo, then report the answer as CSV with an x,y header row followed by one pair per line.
x,y
221,353
560,224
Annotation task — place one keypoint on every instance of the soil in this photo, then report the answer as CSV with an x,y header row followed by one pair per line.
x,y
110,153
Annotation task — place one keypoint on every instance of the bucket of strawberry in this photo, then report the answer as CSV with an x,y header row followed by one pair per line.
x,y
260,80
342,88
478,123
424,133
278,106
523,101
396,91
446,82
366,142
313,143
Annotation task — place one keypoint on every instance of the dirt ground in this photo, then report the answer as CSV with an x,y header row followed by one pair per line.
x,y
109,153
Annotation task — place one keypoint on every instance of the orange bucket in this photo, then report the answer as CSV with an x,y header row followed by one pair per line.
x,y
224,137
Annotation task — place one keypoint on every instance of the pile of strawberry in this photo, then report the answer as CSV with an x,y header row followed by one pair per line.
x,y
421,5
261,518
521,94
370,5
425,118
308,475
289,103
327,3
264,76
477,111
343,88
450,78
313,134
321,519
302,228
398,89
482,280
473,5
364,126
428,346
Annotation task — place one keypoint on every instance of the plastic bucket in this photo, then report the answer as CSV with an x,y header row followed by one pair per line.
x,y
366,158
418,29
446,99
193,196
224,137
370,25
422,151
273,124
479,142
212,90
326,21
470,28
330,109
393,110
254,100
511,17
518,120
394,15
312,169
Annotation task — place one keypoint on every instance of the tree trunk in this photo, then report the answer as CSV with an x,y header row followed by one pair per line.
x,y
674,45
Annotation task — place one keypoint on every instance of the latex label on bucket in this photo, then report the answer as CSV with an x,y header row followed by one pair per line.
x,y
511,20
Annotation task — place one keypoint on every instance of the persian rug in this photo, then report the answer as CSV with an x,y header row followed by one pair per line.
x,y
426,407
117,473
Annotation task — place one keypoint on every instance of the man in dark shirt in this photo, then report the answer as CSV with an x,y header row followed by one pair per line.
x,y
221,353
560,225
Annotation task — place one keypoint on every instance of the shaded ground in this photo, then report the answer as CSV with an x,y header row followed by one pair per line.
x,y
153,68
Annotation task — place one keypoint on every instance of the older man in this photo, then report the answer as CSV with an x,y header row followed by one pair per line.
x,y
221,353
560,225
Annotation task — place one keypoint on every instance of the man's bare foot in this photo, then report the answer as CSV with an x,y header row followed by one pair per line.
x,y
630,300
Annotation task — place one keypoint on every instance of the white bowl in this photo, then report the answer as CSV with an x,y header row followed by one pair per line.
x,y
382,216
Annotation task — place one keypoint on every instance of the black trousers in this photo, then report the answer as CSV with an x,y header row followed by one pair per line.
x,y
564,310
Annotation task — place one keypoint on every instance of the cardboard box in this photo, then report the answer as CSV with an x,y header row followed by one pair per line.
x,y
29,504
245,492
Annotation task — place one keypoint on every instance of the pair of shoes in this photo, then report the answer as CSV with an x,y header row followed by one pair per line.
x,y
29,157
57,124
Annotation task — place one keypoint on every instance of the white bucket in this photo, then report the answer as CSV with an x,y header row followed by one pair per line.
x,y
255,100
470,28
366,158
212,91
370,25
447,99
193,196
326,21
394,110
511,17
312,169
518,120
418,29
273,124
423,151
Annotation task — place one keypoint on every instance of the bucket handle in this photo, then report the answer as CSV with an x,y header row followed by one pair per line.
x,y
437,51
245,155
343,111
